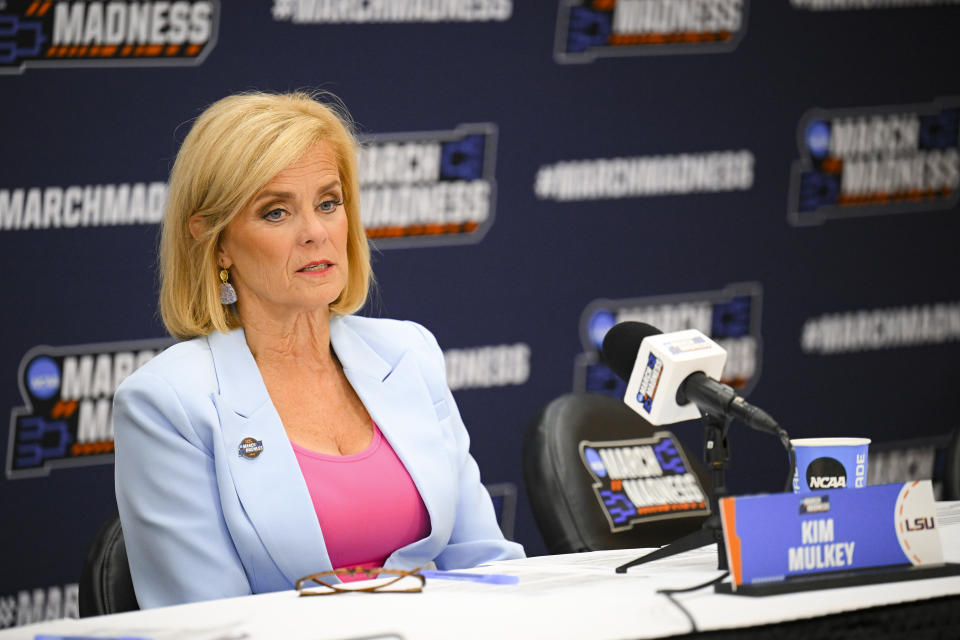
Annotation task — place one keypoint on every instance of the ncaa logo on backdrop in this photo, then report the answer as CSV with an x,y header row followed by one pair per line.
x,y
729,316
428,188
589,29
68,397
41,33
870,161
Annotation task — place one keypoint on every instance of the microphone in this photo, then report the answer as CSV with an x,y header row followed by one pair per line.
x,y
672,376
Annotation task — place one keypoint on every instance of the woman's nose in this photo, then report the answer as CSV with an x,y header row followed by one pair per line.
x,y
313,229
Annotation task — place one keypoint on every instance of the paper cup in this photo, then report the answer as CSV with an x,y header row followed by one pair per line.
x,y
830,463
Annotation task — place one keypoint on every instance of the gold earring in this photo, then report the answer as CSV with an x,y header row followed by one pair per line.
x,y
228,295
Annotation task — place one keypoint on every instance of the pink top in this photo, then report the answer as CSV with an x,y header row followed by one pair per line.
x,y
366,502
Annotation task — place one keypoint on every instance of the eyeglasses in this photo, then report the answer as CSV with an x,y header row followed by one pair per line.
x,y
396,581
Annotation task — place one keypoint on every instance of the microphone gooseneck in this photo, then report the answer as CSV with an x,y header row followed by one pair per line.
x,y
717,398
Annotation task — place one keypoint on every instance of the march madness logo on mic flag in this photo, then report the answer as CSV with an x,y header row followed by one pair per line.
x,y
643,480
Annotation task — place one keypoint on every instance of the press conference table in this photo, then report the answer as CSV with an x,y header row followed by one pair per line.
x,y
567,596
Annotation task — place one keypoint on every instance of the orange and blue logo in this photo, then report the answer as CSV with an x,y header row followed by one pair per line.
x,y
590,29
875,160
640,480
68,392
730,316
42,33
428,188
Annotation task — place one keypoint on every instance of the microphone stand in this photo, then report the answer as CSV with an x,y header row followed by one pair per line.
x,y
717,455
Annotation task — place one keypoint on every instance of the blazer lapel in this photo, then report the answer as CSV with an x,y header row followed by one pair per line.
x,y
270,487
398,400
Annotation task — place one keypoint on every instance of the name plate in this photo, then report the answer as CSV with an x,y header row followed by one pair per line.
x,y
770,538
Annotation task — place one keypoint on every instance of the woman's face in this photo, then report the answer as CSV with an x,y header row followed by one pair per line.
x,y
287,249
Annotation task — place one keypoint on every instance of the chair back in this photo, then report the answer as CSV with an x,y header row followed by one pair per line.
x,y
105,582
932,457
568,498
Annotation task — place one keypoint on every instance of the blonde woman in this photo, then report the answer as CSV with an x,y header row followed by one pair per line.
x,y
284,436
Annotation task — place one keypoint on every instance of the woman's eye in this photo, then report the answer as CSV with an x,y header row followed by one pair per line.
x,y
274,214
329,206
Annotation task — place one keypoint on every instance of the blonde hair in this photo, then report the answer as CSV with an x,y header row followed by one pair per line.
x,y
232,151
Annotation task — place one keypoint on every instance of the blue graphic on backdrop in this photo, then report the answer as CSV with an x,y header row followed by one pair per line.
x,y
107,34
732,319
599,322
591,29
875,160
462,159
43,378
39,440
730,316
428,188
68,395
939,130
587,29
14,33
818,138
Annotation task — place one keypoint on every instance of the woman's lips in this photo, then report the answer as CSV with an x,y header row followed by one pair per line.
x,y
316,267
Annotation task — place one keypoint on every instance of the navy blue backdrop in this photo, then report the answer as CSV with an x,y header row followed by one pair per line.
x,y
781,174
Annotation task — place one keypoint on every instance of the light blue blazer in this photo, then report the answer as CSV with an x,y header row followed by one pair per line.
x,y
201,522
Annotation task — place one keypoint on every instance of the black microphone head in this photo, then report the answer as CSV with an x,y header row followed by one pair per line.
x,y
621,344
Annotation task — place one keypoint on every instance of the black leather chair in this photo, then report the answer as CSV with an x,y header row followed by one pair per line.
x,y
560,486
934,457
105,582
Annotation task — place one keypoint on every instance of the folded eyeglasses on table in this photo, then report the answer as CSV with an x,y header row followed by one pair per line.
x,y
383,581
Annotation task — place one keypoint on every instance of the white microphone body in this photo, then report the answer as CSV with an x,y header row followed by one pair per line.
x,y
663,362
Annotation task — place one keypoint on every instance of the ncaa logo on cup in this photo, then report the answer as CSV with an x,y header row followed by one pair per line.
x,y
830,463
829,473
826,473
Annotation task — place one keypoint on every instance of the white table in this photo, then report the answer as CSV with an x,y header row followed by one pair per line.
x,y
572,596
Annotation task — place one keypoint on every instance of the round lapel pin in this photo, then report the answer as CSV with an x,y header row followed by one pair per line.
x,y
250,448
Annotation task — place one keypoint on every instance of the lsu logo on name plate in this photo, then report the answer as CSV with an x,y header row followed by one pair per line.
x,y
42,33
729,316
68,398
870,161
590,29
642,480
428,188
